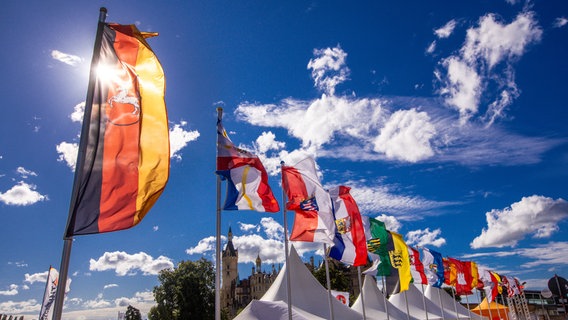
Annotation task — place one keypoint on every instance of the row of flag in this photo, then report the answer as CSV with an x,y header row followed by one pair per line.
x,y
332,217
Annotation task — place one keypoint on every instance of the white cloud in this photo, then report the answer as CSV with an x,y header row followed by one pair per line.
x,y
268,243
203,246
96,303
155,228
420,238
552,253
469,74
111,285
12,291
431,47
24,173
22,194
406,136
179,138
247,226
36,277
68,153
560,22
536,215
267,141
128,264
19,307
391,222
78,111
66,58
373,198
446,30
329,69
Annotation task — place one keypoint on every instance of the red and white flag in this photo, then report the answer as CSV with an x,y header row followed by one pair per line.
x,y
313,220
416,267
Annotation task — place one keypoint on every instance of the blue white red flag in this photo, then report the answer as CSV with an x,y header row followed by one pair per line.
x,y
350,244
247,180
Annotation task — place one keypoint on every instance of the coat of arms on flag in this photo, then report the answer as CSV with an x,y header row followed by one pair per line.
x,y
396,258
309,204
343,225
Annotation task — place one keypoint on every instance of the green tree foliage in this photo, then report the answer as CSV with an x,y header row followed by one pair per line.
x,y
132,314
338,277
187,292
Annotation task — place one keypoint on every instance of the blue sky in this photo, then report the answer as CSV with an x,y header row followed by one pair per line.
x,y
447,119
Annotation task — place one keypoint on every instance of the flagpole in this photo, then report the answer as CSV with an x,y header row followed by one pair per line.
x,y
441,303
407,308
218,238
361,292
455,303
286,251
424,301
68,239
328,281
385,297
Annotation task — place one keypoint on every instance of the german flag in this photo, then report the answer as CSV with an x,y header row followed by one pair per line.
x,y
124,155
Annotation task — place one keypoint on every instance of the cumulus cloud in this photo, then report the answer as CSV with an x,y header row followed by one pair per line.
x,y
420,238
68,153
22,194
179,138
36,277
267,242
128,264
391,223
12,291
535,215
329,68
406,136
19,307
247,227
66,58
446,30
487,45
78,111
24,173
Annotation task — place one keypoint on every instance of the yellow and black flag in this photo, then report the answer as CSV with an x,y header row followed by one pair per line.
x,y
124,157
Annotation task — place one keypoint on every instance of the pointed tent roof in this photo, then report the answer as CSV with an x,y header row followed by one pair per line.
x,y
448,304
498,311
307,293
278,310
376,306
416,303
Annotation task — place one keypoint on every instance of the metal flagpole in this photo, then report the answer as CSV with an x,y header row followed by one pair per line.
x,y
218,238
468,310
455,303
328,281
407,308
424,301
441,303
385,296
286,253
68,240
361,292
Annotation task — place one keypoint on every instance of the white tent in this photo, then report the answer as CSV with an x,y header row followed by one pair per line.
x,y
449,305
307,293
375,308
277,310
414,301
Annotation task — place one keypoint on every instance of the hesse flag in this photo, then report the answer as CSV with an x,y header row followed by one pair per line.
x,y
313,221
247,180
350,245
125,142
46,311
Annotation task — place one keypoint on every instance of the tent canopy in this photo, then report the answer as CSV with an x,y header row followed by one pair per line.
x,y
493,310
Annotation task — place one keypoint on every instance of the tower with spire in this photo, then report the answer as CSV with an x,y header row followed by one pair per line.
x,y
229,274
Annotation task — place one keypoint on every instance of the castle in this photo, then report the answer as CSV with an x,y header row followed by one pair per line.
x,y
238,293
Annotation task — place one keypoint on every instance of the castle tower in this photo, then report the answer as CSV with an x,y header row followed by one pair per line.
x,y
229,274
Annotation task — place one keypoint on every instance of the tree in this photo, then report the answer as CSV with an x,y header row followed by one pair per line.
x,y
132,313
338,276
186,292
